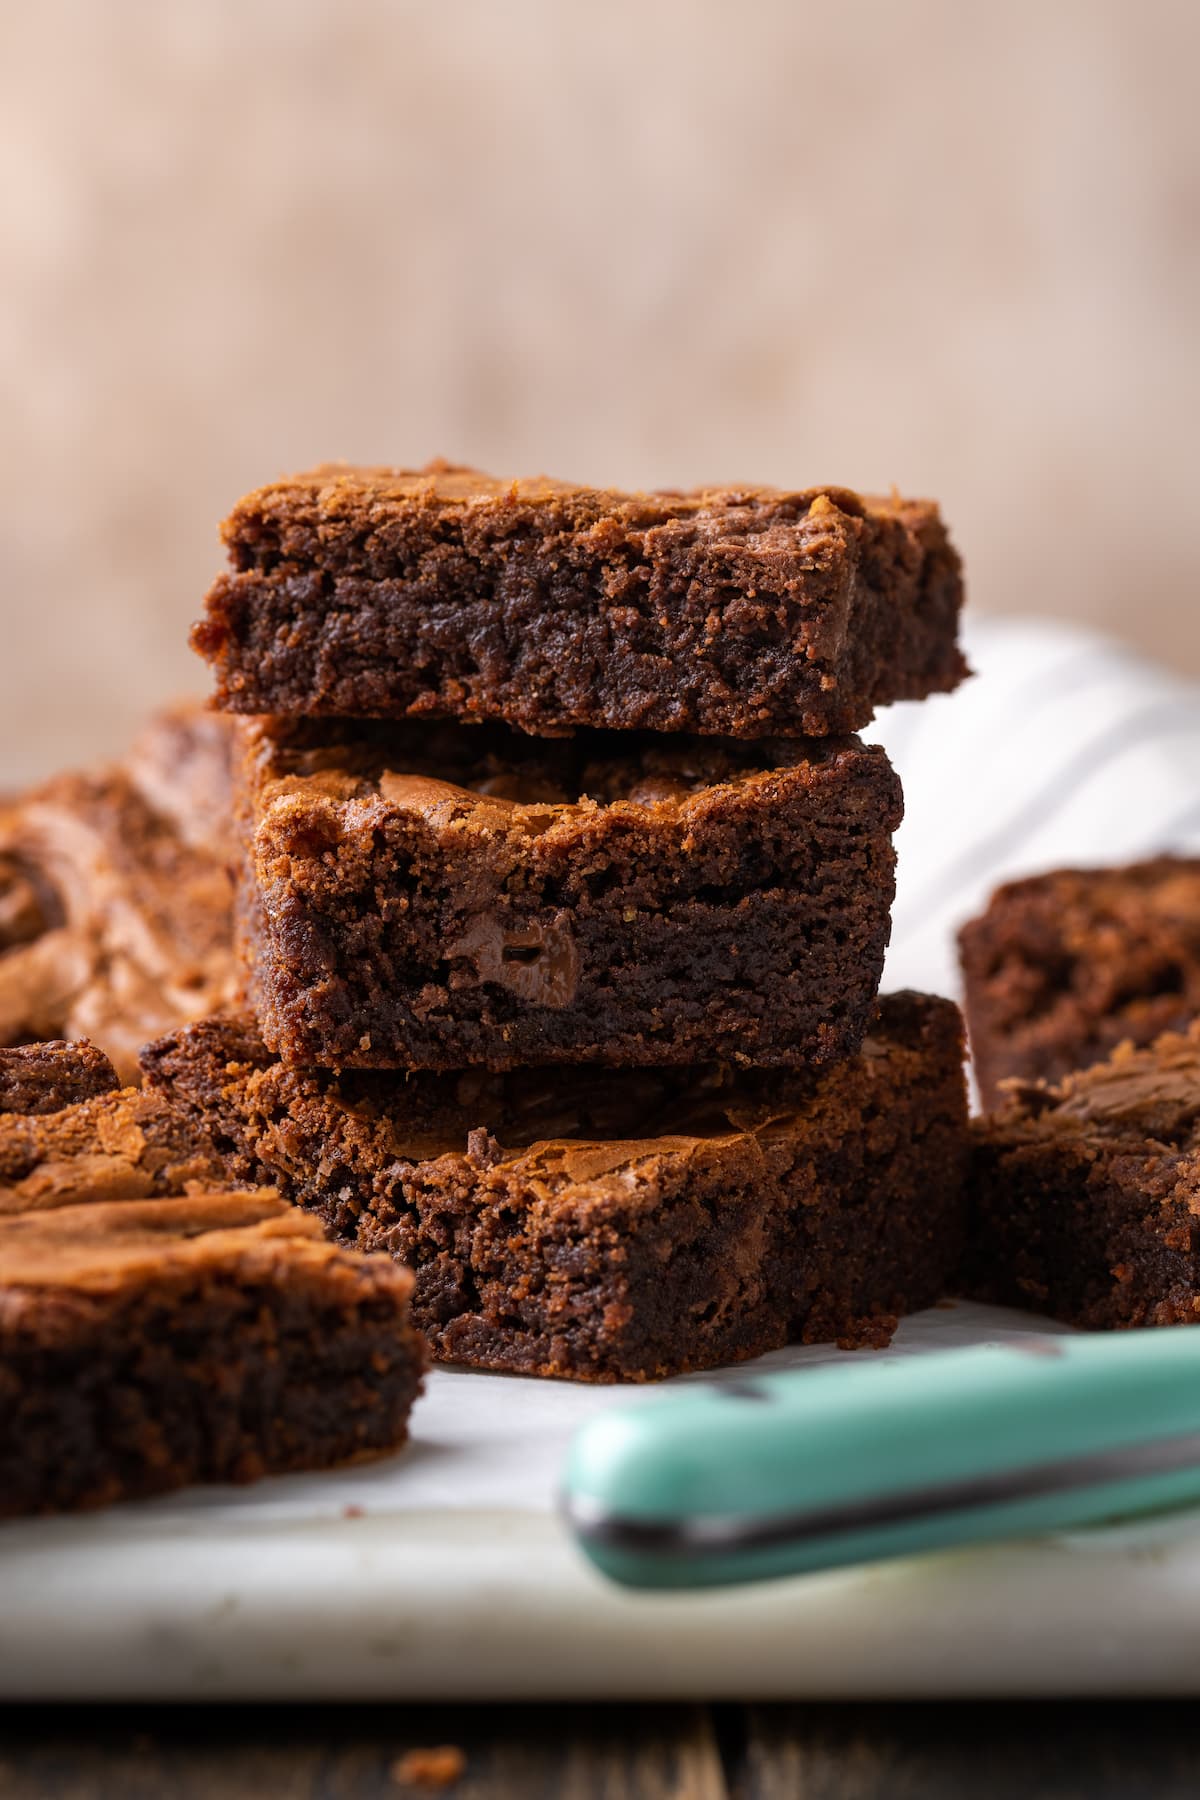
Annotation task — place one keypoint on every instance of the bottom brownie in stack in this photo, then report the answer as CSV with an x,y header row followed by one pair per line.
x,y
146,1343
620,1224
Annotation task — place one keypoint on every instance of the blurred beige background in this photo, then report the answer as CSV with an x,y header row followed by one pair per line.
x,y
936,244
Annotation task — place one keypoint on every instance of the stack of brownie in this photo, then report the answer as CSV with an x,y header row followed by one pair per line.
x,y
563,896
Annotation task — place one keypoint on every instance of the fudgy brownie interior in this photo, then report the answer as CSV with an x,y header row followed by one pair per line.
x,y
1084,1197
383,592
451,896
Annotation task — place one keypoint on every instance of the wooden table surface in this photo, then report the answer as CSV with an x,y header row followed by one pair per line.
x,y
1034,1751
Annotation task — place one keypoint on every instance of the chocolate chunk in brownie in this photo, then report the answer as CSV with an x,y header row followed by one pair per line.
x,y
145,1345
617,1224
1063,967
1084,1197
437,896
745,612
113,925
44,1078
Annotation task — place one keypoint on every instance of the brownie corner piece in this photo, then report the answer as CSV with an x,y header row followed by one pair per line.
x,y
1084,1195
376,592
439,896
149,1344
1060,968
628,1224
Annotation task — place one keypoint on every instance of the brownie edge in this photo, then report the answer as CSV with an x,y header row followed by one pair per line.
x,y
746,612
44,1078
441,897
149,1344
1084,1195
617,1224
1061,968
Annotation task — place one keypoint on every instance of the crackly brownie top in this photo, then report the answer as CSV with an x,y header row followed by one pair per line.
x,y
1167,885
116,912
1146,1097
1101,916
121,1145
44,1078
429,766
339,514
100,1247
181,762
555,1126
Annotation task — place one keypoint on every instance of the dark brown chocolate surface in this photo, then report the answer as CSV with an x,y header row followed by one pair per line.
x,y
744,612
1084,1196
1063,967
43,1078
617,1224
441,896
148,1344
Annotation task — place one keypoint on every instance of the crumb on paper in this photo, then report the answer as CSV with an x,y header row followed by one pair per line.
x,y
352,1511
436,1768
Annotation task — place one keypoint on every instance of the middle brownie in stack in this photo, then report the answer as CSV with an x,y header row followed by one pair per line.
x,y
671,877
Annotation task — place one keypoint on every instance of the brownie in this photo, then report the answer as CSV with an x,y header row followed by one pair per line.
x,y
368,592
1084,1197
182,764
437,896
124,1144
1063,967
617,1224
148,1344
113,926
44,1078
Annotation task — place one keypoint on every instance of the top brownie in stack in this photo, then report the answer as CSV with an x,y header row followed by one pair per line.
x,y
746,612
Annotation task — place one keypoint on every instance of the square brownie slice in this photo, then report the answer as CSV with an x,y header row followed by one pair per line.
x,y
1062,967
1084,1197
148,1344
438,896
617,1224
744,612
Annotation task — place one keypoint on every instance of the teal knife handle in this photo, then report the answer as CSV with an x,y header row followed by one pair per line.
x,y
751,1475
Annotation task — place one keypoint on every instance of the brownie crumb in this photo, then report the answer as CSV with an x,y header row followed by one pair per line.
x,y
439,1767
